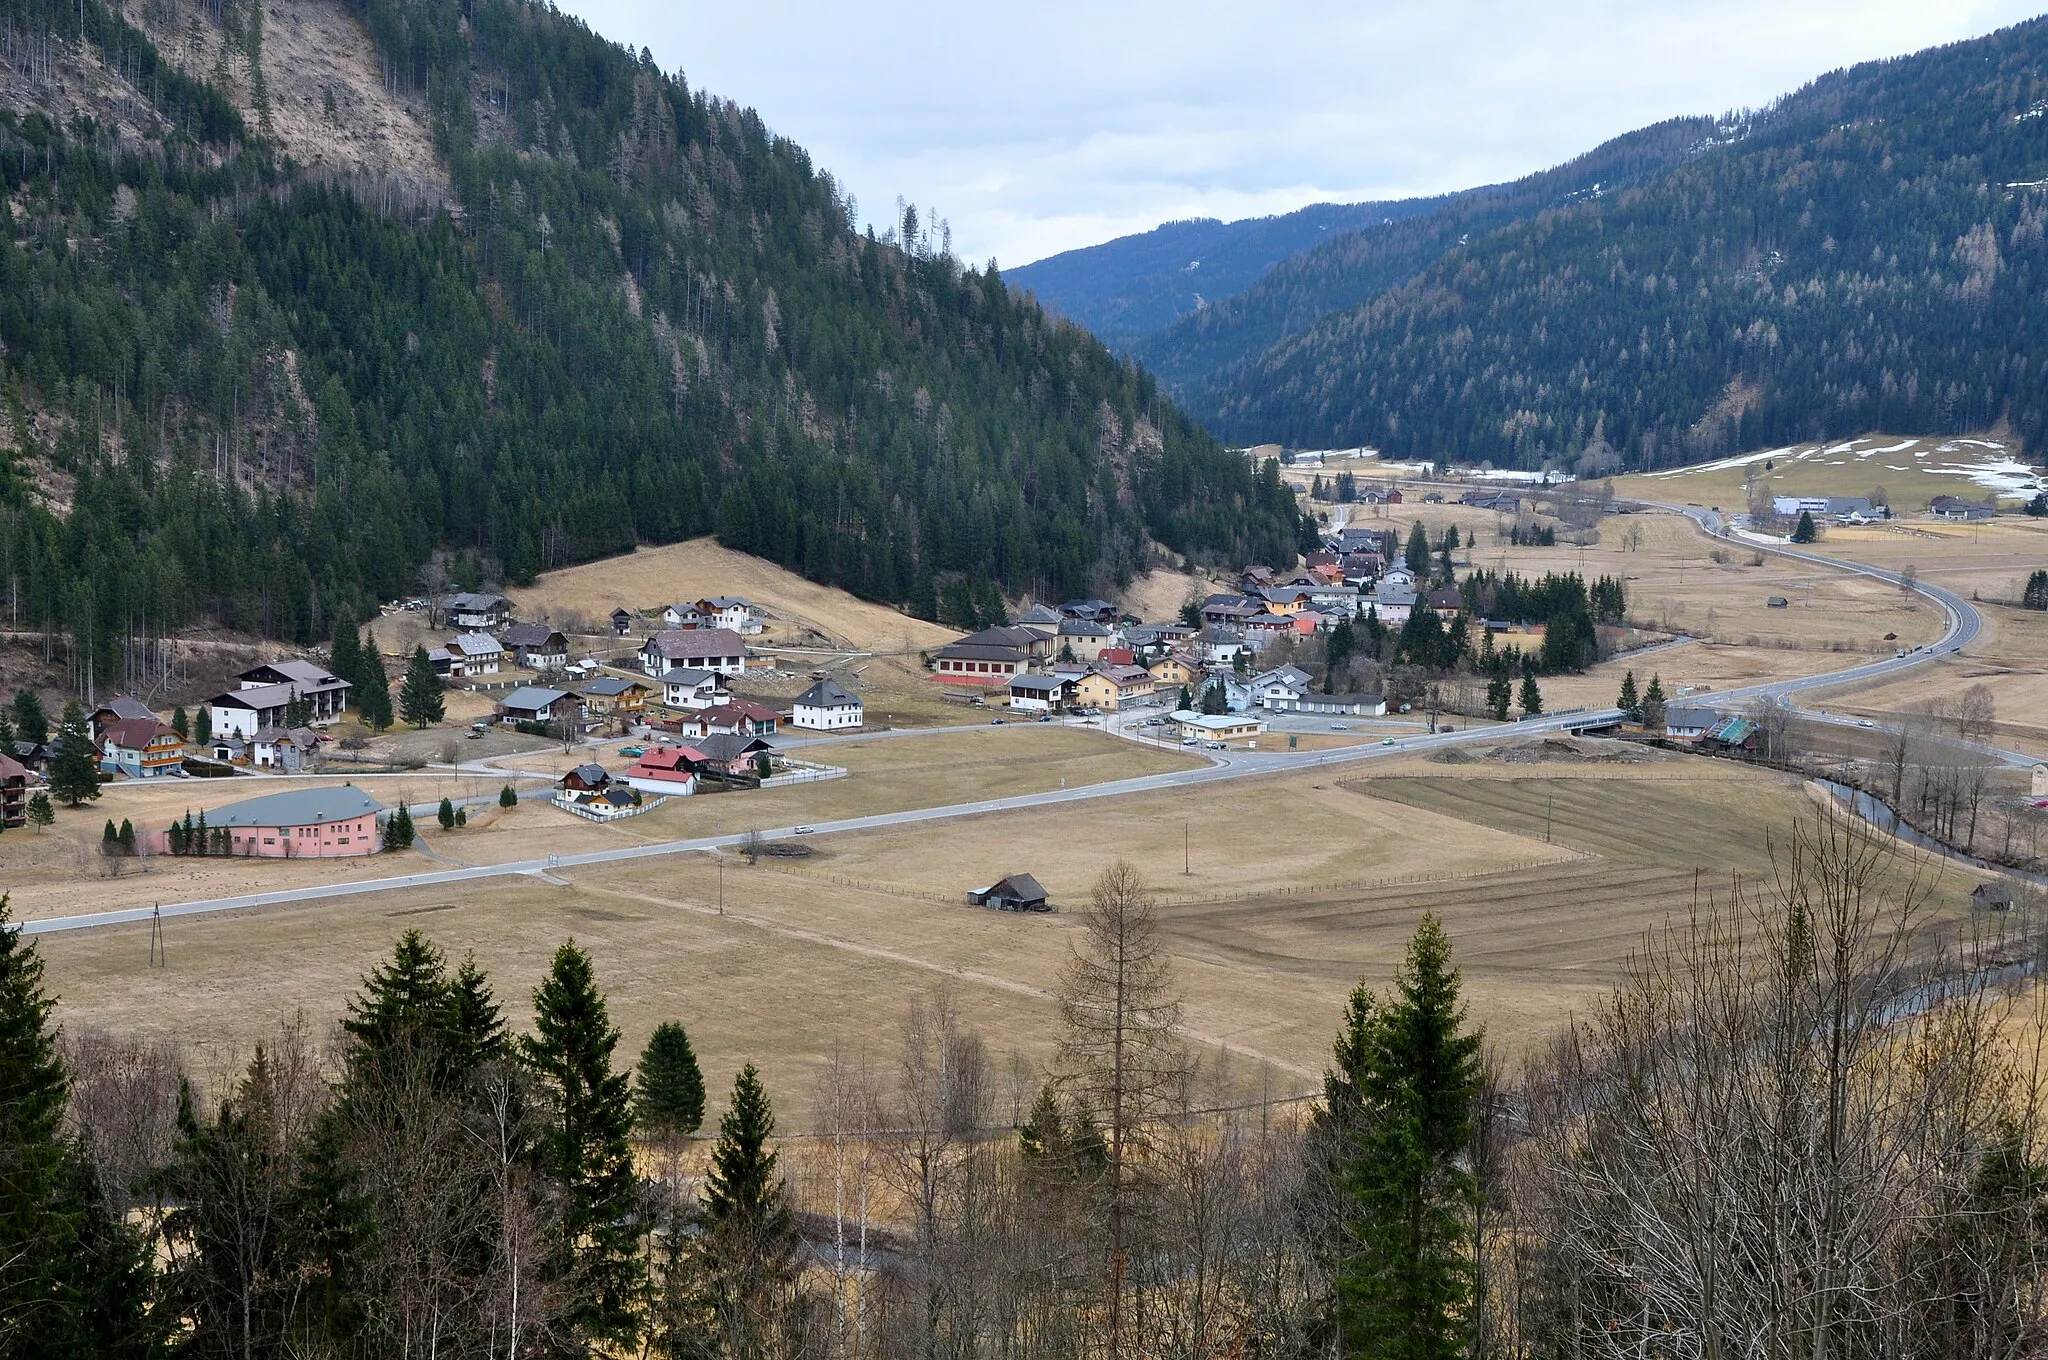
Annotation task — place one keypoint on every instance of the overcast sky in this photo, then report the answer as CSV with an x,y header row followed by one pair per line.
x,y
1034,128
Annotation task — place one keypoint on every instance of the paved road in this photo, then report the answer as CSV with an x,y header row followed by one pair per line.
x,y
1964,624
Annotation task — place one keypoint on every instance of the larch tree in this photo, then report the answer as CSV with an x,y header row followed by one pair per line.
x,y
1119,1049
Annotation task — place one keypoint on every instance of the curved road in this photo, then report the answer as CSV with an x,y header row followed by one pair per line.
x,y
1964,624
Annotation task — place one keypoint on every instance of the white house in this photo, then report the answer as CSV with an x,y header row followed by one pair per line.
x,y
730,611
704,649
1336,705
683,615
825,707
245,712
1041,693
1275,688
685,687
481,653
536,646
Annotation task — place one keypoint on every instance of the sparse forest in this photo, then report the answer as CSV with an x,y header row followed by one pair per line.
x,y
1805,1122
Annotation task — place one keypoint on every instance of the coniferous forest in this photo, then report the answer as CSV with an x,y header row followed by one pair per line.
x,y
241,393
1864,254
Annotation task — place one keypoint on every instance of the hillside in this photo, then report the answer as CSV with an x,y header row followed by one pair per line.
x,y
1865,254
1125,289
1349,267
298,298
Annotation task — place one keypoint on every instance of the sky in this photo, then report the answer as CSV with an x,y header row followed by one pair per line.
x,y
1037,128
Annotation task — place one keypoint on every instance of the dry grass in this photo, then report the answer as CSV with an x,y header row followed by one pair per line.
x,y
1910,470
651,578
62,872
799,965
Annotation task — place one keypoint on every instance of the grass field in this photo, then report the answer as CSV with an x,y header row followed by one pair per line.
x,y
1301,886
651,578
1910,470
61,872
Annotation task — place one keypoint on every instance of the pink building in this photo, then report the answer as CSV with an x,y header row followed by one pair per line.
x,y
302,824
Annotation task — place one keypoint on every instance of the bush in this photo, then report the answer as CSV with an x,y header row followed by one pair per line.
x,y
507,798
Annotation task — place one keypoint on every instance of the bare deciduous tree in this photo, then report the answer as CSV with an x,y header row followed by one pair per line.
x,y
1120,1051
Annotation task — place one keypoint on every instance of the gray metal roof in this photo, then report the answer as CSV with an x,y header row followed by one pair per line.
x,y
300,807
532,697
826,694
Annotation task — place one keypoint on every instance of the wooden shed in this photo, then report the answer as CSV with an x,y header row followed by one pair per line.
x,y
1018,892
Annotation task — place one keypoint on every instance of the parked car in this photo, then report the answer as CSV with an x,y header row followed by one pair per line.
x,y
1191,741
635,752
1213,745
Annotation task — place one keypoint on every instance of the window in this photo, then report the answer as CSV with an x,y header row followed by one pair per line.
x,y
270,840
344,840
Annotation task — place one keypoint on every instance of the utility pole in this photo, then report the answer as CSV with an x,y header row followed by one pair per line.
x,y
1187,853
157,958
1549,804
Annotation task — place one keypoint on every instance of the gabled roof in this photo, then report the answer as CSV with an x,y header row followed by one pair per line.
x,y
534,697
305,674
826,694
531,635
123,707
688,675
1081,628
133,734
590,772
722,602
1003,635
256,697
611,686
465,602
1021,886
730,746
1039,613
299,807
1037,683
674,642
476,644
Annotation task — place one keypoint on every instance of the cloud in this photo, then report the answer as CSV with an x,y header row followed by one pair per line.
x,y
1038,128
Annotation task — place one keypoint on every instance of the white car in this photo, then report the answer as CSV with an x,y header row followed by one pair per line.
x,y
802,830
1865,722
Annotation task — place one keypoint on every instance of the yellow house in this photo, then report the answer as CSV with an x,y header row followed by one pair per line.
x,y
612,695
1285,599
1174,670
1112,686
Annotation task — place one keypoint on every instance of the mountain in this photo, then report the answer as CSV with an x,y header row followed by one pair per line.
x,y
1124,289
1348,268
1864,254
301,299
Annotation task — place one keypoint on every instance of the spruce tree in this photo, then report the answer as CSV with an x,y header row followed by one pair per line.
x,y
202,726
398,831
1630,705
40,813
2035,594
1805,532
419,699
1653,703
73,772
407,996
1402,1101
472,1025
31,724
751,1238
446,815
127,835
669,1088
345,655
584,1146
1500,692
72,1279
1417,554
181,723
373,695
508,797
1531,697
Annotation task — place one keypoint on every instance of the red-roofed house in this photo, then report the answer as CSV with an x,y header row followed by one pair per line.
x,y
141,748
670,770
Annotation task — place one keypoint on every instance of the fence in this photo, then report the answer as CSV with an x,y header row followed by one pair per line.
x,y
591,814
803,772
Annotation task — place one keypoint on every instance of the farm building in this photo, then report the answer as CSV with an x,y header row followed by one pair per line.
x,y
317,823
1018,892
826,707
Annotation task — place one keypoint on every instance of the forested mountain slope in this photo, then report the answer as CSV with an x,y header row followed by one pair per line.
x,y
1347,268
244,391
1124,289
1866,254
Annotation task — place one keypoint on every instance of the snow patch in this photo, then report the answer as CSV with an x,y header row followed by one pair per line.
x,y
1740,460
